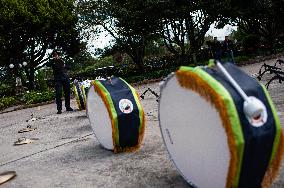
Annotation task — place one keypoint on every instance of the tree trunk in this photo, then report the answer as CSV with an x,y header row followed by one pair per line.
x,y
272,45
139,62
31,78
194,58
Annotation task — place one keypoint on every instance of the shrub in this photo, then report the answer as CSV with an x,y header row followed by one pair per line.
x,y
240,59
6,90
150,75
7,102
34,97
92,71
250,43
157,63
42,84
156,67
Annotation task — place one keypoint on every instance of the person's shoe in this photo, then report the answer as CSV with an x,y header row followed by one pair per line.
x,y
69,109
59,112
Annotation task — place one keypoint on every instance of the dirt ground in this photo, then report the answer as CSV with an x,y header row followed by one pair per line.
x,y
67,154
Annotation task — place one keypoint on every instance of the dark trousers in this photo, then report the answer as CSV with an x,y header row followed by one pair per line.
x,y
230,56
65,84
217,54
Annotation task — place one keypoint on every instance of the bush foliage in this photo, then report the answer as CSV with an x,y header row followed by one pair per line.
x,y
150,75
6,102
6,90
42,84
36,97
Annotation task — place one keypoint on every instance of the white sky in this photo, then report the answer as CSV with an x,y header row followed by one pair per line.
x,y
221,33
104,39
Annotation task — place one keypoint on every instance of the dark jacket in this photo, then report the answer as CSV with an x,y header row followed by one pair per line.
x,y
216,46
227,45
59,69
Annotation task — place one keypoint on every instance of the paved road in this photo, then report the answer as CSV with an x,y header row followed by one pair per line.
x,y
67,154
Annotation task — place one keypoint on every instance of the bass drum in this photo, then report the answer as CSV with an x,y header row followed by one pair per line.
x,y
194,136
208,134
116,114
79,96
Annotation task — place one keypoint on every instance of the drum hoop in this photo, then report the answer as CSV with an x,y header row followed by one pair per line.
x,y
162,87
92,86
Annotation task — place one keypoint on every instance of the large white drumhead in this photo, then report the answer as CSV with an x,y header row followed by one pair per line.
x,y
99,119
194,136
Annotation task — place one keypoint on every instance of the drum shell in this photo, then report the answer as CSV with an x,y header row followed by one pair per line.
x,y
192,80
127,129
80,99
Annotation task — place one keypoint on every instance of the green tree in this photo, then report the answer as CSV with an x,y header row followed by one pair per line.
x,y
81,60
131,23
263,21
41,81
185,24
29,28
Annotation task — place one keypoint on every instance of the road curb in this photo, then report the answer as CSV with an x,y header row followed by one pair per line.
x,y
26,106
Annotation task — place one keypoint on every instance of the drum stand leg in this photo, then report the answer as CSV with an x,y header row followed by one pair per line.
x,y
142,96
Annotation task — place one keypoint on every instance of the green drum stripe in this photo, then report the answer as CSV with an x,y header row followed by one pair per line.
x,y
211,63
114,114
231,110
137,103
277,125
77,98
